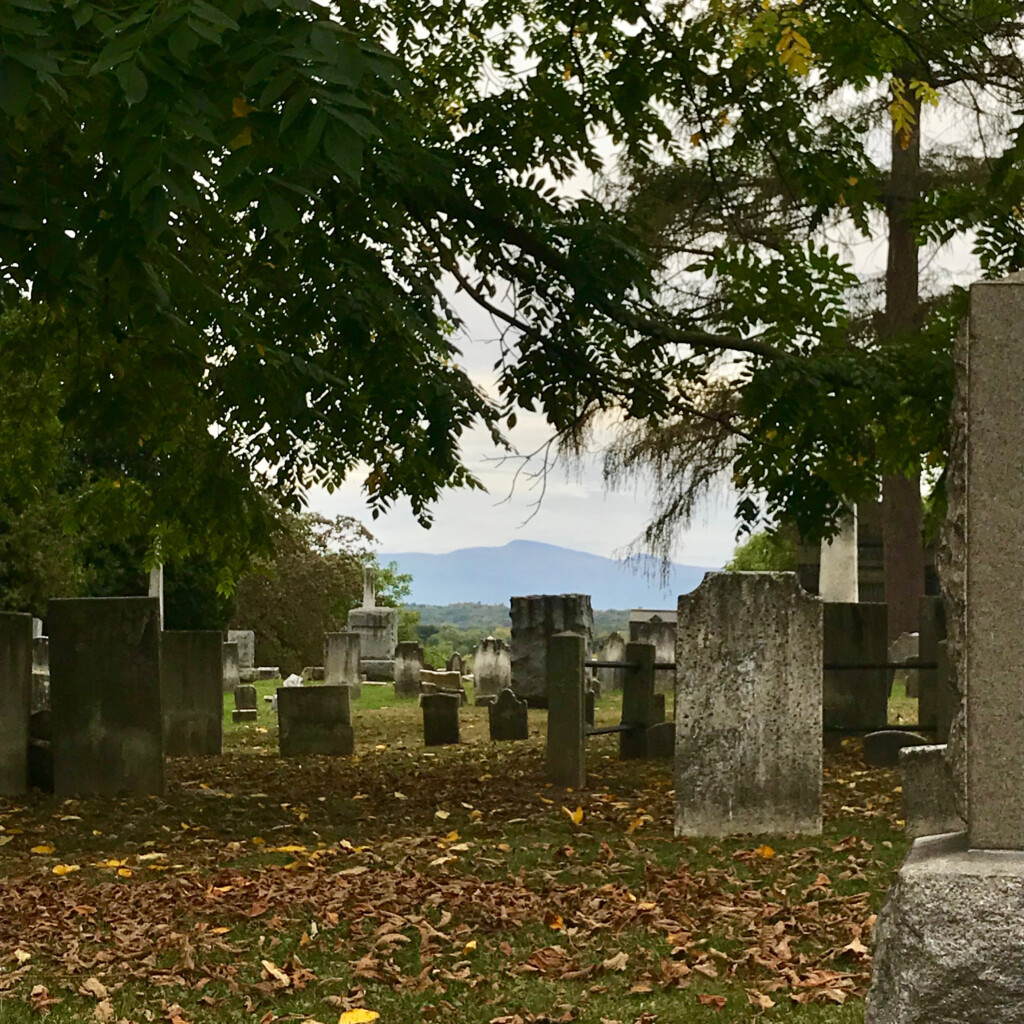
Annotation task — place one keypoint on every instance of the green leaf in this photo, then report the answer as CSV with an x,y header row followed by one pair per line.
x,y
344,149
133,81
182,42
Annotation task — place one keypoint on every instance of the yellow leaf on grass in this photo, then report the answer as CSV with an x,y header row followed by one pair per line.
x,y
65,869
359,1016
124,872
576,817
22,956
287,849
765,851
42,850
554,921
452,836
469,947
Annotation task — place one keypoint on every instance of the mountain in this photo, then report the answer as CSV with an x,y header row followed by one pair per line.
x,y
493,575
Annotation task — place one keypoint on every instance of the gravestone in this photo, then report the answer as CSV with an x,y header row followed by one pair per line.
x,y
838,571
37,628
658,628
261,674
507,717
949,944
316,674
440,718
566,753
928,805
156,589
748,706
231,677
882,748
105,696
40,673
341,662
455,663
408,668
15,701
315,720
932,616
492,667
589,705
444,682
535,620
246,640
855,698
246,709
192,692
378,634
905,650
661,741
613,648
658,709
637,700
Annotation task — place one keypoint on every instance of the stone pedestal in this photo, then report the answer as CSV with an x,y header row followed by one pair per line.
x,y
535,620
637,700
566,747
378,637
440,718
855,698
492,667
341,662
105,696
192,692
748,706
315,720
949,943
15,701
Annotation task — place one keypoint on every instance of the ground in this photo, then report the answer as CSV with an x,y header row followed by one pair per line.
x,y
443,884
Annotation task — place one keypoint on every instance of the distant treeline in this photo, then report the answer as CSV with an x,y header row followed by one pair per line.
x,y
491,617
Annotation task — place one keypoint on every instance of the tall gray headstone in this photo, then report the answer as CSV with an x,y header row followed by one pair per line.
x,y
231,674
566,764
315,720
637,700
341,661
440,718
246,640
949,940
748,706
408,668
15,701
613,648
855,698
658,628
192,692
492,667
378,637
156,588
105,695
838,572
535,620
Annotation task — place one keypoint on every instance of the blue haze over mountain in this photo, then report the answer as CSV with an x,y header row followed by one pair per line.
x,y
493,575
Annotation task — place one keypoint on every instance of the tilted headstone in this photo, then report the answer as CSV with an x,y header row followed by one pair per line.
x,y
492,667
612,648
246,709
246,640
341,662
565,760
105,696
659,629
315,720
535,620
507,717
15,701
408,668
855,698
748,706
928,805
192,692
838,572
231,676
440,718
949,944
292,681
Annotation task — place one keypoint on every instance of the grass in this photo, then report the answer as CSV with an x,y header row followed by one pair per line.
x,y
434,884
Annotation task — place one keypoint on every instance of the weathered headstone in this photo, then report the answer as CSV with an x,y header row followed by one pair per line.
x,y
15,701
748,706
882,748
156,588
661,741
192,692
658,628
932,616
440,718
928,805
534,620
40,673
613,648
292,681
492,667
838,572
246,709
341,662
246,640
905,650
378,634
37,628
455,663
231,676
315,720
408,668
444,682
105,695
855,698
637,700
261,674
315,674
507,717
949,942
566,753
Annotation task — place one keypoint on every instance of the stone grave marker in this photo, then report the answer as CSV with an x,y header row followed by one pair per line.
x,y
929,808
15,701
246,709
408,668
192,692
855,698
378,634
232,676
315,720
440,718
507,717
882,748
40,673
838,576
613,648
534,620
492,667
246,640
566,752
658,628
455,663
341,661
105,696
637,700
748,706
661,741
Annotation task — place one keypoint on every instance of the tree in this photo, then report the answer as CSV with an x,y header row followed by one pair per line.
x,y
764,552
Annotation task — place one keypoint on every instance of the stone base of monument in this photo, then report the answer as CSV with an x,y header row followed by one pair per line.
x,y
949,942
244,715
375,671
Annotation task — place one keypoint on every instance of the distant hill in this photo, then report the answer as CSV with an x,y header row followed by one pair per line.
x,y
493,575
473,615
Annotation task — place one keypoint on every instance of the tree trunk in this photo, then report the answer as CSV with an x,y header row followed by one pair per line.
x,y
901,495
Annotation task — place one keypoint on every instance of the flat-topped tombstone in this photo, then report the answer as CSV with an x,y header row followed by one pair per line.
x,y
105,696
507,717
838,573
315,720
440,718
246,640
535,620
492,667
232,677
408,668
566,752
341,661
748,706
659,628
192,692
245,703
378,634
15,701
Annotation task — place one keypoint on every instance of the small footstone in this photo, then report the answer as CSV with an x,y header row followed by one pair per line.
x,y
882,749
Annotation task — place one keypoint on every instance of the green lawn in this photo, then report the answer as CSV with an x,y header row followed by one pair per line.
x,y
442,884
